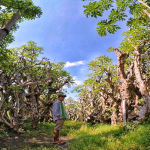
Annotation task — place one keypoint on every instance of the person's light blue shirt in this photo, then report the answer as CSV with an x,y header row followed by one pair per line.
x,y
57,111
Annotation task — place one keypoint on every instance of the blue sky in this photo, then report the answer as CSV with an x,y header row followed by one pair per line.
x,y
67,35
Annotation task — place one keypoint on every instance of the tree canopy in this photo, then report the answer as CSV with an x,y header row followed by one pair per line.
x,y
135,13
12,13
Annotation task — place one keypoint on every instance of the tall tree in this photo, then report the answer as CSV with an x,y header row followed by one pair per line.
x,y
13,11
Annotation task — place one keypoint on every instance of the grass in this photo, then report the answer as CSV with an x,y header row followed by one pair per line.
x,y
45,127
106,137
83,136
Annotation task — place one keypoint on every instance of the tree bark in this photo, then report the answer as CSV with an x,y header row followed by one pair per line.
x,y
144,4
34,114
124,110
125,83
114,115
143,89
8,25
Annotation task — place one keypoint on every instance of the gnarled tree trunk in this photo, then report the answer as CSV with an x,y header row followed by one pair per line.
x,y
145,110
34,114
125,84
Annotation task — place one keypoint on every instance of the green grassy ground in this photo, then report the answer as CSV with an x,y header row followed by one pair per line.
x,y
106,137
82,136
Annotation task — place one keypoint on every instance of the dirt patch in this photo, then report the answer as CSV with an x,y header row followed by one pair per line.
x,y
19,141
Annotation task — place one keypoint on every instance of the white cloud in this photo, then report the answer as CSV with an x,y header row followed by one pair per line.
x,y
69,64
77,82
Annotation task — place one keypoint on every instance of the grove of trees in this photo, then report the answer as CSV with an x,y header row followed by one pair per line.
x,y
112,93
119,93
28,86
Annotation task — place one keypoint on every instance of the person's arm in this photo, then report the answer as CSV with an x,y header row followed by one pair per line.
x,y
56,110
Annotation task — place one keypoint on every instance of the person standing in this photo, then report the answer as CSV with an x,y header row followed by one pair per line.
x,y
59,117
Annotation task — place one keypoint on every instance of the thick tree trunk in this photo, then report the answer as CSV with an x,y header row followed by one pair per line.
x,y
8,25
34,114
114,101
47,112
124,85
114,115
145,110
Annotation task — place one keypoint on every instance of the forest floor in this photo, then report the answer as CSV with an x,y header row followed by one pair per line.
x,y
79,136
32,139
20,141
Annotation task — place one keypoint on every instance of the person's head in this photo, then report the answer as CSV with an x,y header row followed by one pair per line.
x,y
61,97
